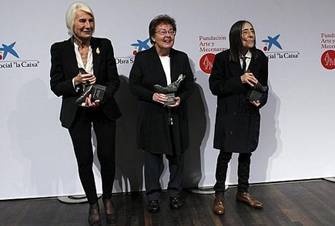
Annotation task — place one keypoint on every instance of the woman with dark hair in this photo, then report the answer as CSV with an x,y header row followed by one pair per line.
x,y
81,61
234,75
162,127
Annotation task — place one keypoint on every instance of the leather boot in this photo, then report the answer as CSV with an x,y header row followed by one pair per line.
x,y
246,198
219,207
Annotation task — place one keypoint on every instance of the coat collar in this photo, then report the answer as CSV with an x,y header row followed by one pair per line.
x,y
96,51
71,57
252,66
156,62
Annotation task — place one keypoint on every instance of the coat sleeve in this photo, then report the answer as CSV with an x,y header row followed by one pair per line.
x,y
263,78
222,81
136,79
59,84
113,80
187,91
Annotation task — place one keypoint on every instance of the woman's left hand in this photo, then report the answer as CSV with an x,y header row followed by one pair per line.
x,y
256,103
176,104
90,103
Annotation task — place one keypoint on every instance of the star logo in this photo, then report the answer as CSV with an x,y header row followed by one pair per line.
x,y
271,41
140,45
8,49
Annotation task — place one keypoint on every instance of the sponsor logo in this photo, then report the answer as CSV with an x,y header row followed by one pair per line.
x,y
327,41
8,52
328,59
8,49
138,47
328,44
206,62
209,45
273,43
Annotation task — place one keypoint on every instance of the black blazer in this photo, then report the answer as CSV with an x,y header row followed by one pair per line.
x,y
64,68
152,126
237,120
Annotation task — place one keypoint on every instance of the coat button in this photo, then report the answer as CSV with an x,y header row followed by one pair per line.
x,y
234,112
231,132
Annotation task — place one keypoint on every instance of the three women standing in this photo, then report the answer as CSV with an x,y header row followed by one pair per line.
x,y
162,127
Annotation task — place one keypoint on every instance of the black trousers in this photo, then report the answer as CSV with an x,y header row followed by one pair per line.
x,y
81,136
243,171
152,171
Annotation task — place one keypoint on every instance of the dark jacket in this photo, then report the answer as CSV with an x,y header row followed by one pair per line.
x,y
64,68
153,130
237,120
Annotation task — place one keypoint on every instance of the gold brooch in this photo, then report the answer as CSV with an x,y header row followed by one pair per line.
x,y
97,50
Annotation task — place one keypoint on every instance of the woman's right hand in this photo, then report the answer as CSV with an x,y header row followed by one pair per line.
x,y
84,79
159,97
249,78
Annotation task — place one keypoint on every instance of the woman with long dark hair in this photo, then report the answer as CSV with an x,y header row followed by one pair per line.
x,y
235,74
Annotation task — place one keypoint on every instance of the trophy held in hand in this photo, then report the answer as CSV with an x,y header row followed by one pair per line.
x,y
256,92
97,91
170,90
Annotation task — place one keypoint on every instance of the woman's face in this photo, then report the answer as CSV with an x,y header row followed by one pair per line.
x,y
164,37
248,36
83,26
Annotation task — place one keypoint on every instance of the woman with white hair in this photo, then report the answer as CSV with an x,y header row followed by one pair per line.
x,y
80,61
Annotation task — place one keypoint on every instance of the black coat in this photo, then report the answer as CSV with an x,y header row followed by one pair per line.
x,y
153,130
64,68
237,120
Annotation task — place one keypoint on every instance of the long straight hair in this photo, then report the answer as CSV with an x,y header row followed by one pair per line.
x,y
235,41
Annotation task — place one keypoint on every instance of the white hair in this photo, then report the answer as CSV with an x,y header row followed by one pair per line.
x,y
71,13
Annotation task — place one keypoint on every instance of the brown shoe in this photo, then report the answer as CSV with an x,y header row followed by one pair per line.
x,y
245,197
219,207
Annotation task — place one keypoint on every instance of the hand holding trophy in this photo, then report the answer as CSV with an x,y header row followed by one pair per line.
x,y
97,91
170,90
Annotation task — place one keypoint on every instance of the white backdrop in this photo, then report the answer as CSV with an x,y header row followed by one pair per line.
x,y
297,130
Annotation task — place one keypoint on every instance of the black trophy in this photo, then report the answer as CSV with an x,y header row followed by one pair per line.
x,y
256,92
170,90
97,91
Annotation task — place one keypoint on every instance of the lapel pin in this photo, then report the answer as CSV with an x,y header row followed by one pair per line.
x,y
97,50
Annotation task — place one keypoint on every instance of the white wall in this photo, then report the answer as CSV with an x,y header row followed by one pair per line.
x,y
297,135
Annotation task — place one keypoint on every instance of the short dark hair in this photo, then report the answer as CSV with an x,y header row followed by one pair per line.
x,y
235,41
160,19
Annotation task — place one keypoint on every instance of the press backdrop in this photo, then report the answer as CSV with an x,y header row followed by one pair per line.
x,y
297,127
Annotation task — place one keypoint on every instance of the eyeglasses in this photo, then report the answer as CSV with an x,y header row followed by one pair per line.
x,y
165,32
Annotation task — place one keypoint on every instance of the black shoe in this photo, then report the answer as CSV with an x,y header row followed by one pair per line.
x,y
175,203
111,218
94,215
111,212
95,223
153,206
